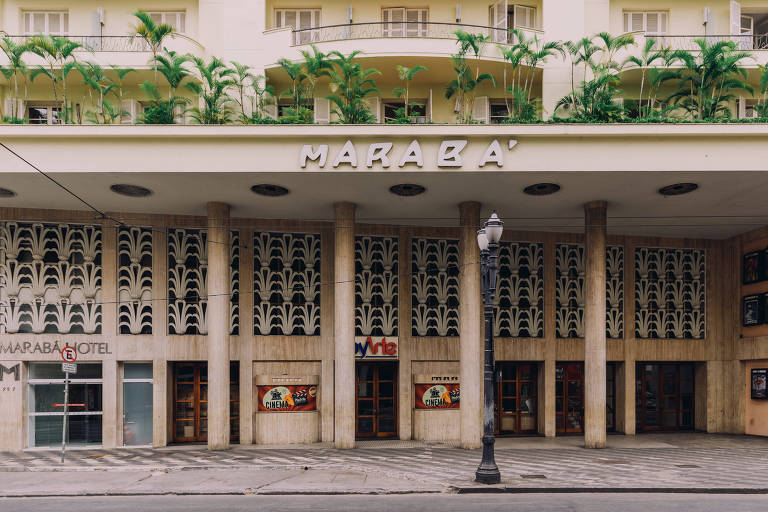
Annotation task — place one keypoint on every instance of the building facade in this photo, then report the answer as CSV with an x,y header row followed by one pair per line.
x,y
305,283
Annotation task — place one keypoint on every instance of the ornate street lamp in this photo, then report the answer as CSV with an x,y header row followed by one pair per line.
x,y
488,239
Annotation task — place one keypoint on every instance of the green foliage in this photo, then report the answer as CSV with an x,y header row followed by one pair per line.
x,y
406,75
594,100
463,86
350,84
15,70
154,34
213,80
58,54
159,110
98,82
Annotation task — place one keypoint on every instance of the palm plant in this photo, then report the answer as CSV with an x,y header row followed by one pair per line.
x,y
58,54
154,34
297,75
16,68
350,84
594,101
158,110
242,80
97,80
316,66
406,75
213,80
709,78
171,65
611,46
463,86
762,105
648,56
118,90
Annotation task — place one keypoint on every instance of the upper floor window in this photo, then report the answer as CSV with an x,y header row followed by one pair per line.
x,y
402,22
176,19
55,23
504,16
47,112
650,22
301,20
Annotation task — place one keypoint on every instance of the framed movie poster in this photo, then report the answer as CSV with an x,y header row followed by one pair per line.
x,y
753,270
751,310
759,383
437,396
287,398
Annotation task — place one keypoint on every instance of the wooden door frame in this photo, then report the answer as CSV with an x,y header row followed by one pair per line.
x,y
376,365
196,365
640,377
499,387
564,413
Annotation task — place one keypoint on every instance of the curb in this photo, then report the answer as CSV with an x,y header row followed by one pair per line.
x,y
609,490
352,492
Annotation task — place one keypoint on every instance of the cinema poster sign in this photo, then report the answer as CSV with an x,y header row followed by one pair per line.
x,y
289,398
375,347
438,396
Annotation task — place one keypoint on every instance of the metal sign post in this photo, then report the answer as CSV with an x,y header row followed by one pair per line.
x,y
69,356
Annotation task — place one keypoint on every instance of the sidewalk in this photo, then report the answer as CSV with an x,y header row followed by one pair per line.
x,y
644,463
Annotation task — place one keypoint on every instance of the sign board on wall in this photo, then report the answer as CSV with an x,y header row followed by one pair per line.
x,y
287,398
375,347
437,396
759,384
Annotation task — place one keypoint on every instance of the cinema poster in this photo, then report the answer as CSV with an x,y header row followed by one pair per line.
x,y
437,396
287,398
759,383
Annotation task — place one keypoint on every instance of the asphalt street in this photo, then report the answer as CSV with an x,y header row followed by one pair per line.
x,y
392,503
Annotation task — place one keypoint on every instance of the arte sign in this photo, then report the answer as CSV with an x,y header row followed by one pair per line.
x,y
437,396
375,347
45,347
287,398
381,154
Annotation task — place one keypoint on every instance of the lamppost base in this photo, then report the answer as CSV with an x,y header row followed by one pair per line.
x,y
488,475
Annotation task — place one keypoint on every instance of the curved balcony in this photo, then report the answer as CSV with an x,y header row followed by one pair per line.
x,y
389,39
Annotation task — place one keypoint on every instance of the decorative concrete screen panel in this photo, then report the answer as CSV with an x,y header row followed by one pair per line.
x,y
234,283
50,278
670,293
519,300
187,281
134,281
376,286
286,284
570,274
435,287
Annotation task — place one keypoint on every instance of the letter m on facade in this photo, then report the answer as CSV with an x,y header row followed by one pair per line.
x,y
13,370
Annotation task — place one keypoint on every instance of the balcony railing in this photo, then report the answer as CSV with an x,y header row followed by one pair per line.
x,y
99,43
743,42
402,29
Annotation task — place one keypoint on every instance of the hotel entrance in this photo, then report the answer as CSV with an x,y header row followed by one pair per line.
x,y
569,398
516,398
665,396
190,402
376,400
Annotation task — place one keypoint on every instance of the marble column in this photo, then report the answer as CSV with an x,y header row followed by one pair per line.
x,y
218,326
594,324
470,328
344,325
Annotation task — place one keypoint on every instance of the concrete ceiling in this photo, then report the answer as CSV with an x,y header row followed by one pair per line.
x,y
727,202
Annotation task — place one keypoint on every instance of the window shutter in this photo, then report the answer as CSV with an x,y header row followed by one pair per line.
x,y
374,105
131,111
636,22
480,109
652,22
322,111
525,17
429,107
499,22
735,18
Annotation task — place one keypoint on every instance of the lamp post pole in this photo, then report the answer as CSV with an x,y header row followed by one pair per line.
x,y
488,240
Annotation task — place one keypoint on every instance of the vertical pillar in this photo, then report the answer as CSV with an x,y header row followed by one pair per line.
x,y
344,325
594,324
218,326
162,370
470,328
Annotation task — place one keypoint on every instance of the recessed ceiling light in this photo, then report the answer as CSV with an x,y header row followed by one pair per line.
x,y
130,190
265,189
678,189
5,192
541,189
407,189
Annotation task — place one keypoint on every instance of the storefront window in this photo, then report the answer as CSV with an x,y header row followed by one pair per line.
x,y
137,404
46,389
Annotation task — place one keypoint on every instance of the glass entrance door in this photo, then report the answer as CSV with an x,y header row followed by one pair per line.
x,y
569,398
665,396
516,398
376,400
